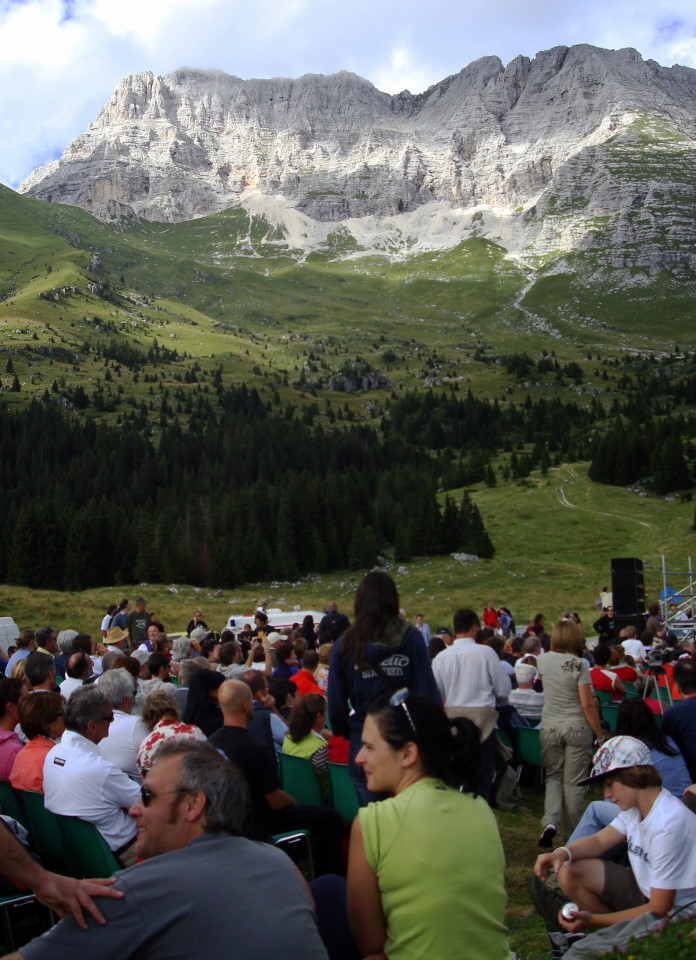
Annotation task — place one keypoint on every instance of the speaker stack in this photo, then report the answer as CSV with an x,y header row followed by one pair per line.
x,y
628,589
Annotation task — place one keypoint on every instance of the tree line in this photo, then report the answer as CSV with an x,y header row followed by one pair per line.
x,y
240,496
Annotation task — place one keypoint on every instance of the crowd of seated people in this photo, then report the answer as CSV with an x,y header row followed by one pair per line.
x,y
416,722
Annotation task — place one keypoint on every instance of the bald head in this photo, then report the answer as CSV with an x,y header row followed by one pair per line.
x,y
332,607
234,698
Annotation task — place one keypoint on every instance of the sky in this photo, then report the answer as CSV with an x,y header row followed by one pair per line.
x,y
61,59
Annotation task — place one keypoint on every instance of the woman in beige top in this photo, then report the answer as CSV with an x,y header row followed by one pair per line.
x,y
569,723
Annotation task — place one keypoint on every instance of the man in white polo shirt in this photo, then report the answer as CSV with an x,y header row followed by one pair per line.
x,y
80,782
471,680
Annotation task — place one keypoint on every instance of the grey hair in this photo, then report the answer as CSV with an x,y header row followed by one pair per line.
x,y
531,643
181,647
189,667
111,658
65,641
206,770
84,704
117,684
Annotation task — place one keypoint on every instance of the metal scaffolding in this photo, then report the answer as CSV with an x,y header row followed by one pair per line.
x,y
682,620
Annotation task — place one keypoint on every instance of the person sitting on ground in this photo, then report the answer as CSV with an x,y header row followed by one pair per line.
x,y
284,692
80,782
305,737
525,698
634,718
126,733
187,817
40,672
441,894
42,721
660,831
601,677
161,720
11,692
304,678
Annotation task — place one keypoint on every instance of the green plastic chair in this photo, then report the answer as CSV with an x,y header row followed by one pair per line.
x,y
300,780
298,846
610,714
342,792
529,746
630,689
11,804
603,696
87,852
44,833
9,905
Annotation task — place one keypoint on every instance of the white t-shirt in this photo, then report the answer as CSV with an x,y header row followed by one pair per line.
x,y
634,648
106,621
662,847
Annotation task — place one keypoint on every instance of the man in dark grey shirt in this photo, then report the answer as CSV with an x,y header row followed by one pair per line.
x,y
200,891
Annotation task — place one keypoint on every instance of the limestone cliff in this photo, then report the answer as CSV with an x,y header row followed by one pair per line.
x,y
578,148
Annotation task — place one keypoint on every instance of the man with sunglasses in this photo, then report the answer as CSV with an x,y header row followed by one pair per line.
x,y
80,782
202,890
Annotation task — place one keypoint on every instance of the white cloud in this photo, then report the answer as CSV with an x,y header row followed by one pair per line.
x,y
403,72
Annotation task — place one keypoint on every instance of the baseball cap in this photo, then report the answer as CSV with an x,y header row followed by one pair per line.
x,y
525,672
443,631
619,753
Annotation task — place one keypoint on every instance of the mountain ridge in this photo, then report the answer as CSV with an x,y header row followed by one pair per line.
x,y
545,155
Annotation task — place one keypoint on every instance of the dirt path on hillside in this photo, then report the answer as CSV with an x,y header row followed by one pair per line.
x,y
565,502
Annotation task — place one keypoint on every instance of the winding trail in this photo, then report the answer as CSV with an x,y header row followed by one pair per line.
x,y
565,502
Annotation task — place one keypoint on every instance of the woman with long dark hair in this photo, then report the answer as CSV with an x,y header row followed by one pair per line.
x,y
426,867
379,653
304,737
202,707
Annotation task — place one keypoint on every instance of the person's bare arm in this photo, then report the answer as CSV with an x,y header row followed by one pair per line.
x,y
583,849
279,800
365,915
62,894
589,708
660,903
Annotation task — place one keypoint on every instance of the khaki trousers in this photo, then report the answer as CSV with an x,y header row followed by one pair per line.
x,y
566,749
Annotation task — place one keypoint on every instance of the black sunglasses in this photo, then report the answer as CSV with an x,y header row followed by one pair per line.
x,y
147,795
399,699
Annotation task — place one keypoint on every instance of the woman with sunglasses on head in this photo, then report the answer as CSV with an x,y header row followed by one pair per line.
x,y
379,653
426,867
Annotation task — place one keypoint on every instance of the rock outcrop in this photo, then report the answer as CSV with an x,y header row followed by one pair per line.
x,y
578,148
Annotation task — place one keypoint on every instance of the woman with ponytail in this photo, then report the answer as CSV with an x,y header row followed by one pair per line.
x,y
425,871
304,737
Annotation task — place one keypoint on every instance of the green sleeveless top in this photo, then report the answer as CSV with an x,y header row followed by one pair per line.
x,y
439,864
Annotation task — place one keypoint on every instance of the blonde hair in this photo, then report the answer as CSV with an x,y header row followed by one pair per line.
x,y
567,638
324,652
17,671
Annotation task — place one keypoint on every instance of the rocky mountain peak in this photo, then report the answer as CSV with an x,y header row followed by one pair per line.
x,y
504,149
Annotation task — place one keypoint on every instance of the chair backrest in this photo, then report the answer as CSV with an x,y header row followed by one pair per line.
x,y
87,852
603,696
11,805
300,780
44,832
630,689
529,746
342,791
610,714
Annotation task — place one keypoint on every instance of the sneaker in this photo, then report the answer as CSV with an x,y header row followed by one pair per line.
x,y
547,835
562,942
547,902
